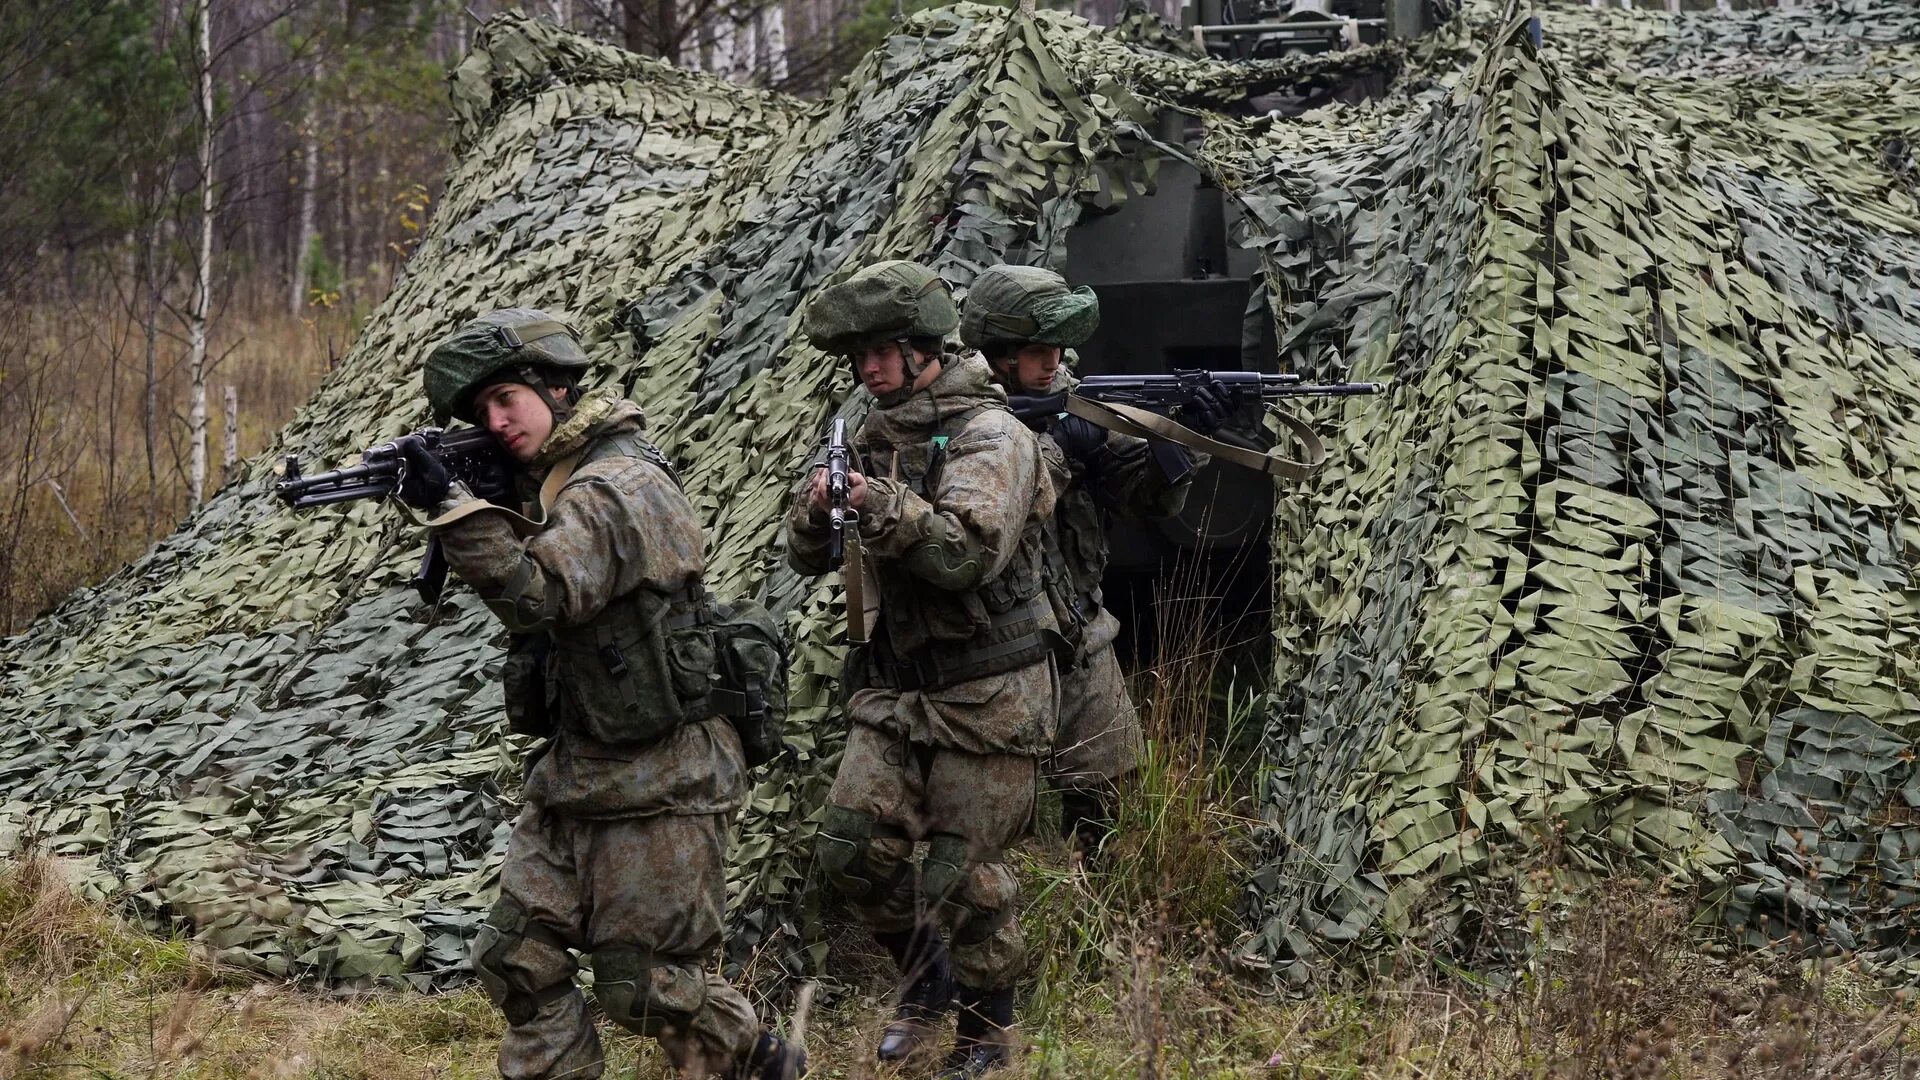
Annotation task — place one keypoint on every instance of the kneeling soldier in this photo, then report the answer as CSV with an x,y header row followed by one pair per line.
x,y
618,853
1023,319
951,704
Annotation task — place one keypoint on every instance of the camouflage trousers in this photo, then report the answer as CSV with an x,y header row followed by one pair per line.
x,y
890,792
642,899
1099,737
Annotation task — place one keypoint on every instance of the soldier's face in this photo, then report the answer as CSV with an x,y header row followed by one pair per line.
x,y
1034,367
516,417
881,368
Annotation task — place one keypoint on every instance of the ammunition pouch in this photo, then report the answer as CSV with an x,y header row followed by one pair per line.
x,y
1013,640
524,677
638,670
751,685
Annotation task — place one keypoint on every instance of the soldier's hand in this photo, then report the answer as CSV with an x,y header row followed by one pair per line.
x,y
1211,405
423,478
1079,439
817,492
818,500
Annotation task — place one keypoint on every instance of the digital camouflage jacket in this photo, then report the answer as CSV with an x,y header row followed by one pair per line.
x,y
957,503
1120,477
619,526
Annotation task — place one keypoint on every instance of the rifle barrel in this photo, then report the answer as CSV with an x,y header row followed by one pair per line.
x,y
302,500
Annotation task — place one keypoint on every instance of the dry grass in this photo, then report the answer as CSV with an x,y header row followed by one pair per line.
x,y
80,498
1624,989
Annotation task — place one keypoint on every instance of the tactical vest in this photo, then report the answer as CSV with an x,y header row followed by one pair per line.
x,y
634,672
929,638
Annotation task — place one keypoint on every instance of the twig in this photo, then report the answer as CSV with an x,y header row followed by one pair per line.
x,y
60,496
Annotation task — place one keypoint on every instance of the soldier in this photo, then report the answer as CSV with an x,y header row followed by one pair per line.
x,y
618,850
951,704
1023,319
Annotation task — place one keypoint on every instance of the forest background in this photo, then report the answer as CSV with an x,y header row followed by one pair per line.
x,y
201,199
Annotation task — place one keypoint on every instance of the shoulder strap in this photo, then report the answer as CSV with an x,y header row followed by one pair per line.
x,y
629,444
557,478
1141,424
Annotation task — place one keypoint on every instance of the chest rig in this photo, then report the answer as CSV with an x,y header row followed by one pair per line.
x,y
631,674
928,638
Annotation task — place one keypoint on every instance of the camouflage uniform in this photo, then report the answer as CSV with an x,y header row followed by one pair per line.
x,y
619,850
952,702
1099,736
955,764
1098,473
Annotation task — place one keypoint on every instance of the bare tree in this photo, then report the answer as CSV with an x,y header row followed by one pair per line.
x,y
203,271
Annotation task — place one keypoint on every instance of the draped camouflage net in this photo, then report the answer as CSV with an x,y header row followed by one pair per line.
x,y
1623,557
1620,574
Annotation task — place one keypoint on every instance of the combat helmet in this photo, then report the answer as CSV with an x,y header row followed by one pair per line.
x,y
513,344
1015,305
888,301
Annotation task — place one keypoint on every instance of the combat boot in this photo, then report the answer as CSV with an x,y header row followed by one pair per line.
x,y
981,1033
772,1058
926,989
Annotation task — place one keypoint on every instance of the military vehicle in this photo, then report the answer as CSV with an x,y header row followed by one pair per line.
x,y
1175,291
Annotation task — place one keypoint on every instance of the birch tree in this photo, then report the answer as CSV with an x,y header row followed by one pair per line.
x,y
201,301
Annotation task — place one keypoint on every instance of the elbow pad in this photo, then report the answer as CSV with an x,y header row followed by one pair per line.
x,y
949,559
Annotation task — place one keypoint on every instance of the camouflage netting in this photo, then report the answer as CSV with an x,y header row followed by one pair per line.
x,y
1620,575
1623,553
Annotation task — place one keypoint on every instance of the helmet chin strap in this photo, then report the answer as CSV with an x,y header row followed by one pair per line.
x,y
560,404
909,370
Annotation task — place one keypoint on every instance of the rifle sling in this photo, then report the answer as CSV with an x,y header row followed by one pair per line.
x,y
1142,424
557,478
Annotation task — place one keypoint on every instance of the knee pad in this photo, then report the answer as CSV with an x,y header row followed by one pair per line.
x,y
945,867
979,924
642,993
844,847
944,876
508,985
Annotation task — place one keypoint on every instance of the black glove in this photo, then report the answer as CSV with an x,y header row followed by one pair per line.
x,y
492,481
1078,438
1211,405
423,479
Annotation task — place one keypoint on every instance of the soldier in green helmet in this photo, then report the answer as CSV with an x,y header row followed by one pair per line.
x,y
1023,319
591,557
951,701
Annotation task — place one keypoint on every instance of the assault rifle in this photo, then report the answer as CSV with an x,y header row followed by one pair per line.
x,y
470,454
1164,392
843,544
839,514
1140,405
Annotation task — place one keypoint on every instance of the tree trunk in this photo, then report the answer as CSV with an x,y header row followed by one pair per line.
x,y
723,45
746,47
666,31
230,448
774,37
203,275
634,27
150,285
309,190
